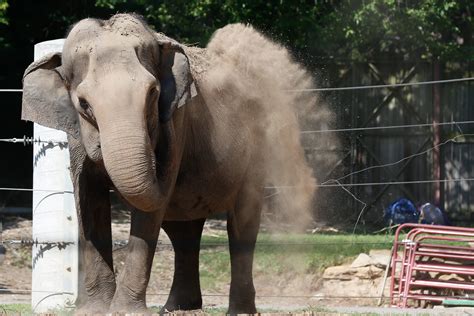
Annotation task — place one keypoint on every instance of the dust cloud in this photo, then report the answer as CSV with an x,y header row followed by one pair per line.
x,y
264,72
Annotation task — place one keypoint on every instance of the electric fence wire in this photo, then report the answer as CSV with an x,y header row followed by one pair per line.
x,y
30,140
381,86
336,182
316,296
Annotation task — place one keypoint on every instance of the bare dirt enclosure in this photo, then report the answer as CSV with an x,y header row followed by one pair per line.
x,y
284,291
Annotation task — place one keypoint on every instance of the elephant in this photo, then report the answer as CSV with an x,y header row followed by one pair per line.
x,y
179,133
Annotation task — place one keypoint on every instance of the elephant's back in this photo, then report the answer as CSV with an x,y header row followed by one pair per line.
x,y
199,59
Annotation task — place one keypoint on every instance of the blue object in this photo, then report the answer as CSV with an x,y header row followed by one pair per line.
x,y
401,211
431,214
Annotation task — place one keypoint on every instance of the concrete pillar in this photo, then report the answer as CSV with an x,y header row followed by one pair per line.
x,y
54,266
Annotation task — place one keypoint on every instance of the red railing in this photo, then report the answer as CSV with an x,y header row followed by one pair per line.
x,y
427,250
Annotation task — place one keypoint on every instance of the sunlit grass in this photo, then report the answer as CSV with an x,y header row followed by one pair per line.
x,y
286,253
22,309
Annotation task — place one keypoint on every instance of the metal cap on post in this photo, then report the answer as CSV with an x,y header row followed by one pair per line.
x,y
55,255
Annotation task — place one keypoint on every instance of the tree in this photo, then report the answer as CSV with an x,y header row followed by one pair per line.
x,y
401,29
357,30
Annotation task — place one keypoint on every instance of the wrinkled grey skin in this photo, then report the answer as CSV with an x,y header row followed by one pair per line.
x,y
169,153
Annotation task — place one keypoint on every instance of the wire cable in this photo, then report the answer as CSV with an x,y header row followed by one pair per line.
x,y
381,86
371,128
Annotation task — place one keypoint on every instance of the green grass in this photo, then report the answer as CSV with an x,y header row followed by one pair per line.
x,y
25,309
214,268
22,309
286,253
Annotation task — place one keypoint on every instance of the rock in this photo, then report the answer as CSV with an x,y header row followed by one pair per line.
x,y
346,273
378,258
369,273
363,260
381,257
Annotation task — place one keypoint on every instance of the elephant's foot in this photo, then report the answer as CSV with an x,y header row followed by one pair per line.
x,y
95,296
182,302
128,307
92,308
242,299
95,304
127,301
242,308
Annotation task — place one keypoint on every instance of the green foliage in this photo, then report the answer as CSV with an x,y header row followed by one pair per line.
x,y
410,30
314,30
344,30
15,309
3,10
194,21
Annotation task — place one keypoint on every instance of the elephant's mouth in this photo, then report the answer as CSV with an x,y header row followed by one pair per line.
x,y
95,154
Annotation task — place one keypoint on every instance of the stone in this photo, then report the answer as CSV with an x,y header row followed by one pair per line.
x,y
381,257
363,260
347,272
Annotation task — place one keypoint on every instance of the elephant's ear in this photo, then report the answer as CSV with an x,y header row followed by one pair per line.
x,y
177,85
46,99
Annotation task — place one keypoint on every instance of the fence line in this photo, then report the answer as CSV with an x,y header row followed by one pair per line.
x,y
123,243
34,190
30,242
381,86
323,185
364,184
20,291
30,141
25,140
315,296
370,128
336,182
390,164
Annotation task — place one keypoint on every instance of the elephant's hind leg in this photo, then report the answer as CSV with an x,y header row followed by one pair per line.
x,y
242,227
185,292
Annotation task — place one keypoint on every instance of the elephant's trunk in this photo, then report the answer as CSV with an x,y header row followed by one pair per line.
x,y
130,163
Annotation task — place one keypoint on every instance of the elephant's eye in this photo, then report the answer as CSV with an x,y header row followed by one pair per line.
x,y
84,104
86,111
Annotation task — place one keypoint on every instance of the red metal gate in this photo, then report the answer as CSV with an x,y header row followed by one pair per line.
x,y
432,263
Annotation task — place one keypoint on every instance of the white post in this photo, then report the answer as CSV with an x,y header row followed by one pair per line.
x,y
55,267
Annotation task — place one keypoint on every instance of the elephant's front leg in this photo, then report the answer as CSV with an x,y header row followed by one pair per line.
x,y
130,295
96,277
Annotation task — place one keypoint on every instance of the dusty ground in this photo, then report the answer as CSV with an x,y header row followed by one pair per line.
x,y
274,291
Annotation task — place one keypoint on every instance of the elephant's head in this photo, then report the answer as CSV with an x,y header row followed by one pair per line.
x,y
116,87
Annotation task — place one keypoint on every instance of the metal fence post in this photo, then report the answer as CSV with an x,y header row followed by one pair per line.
x,y
54,268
